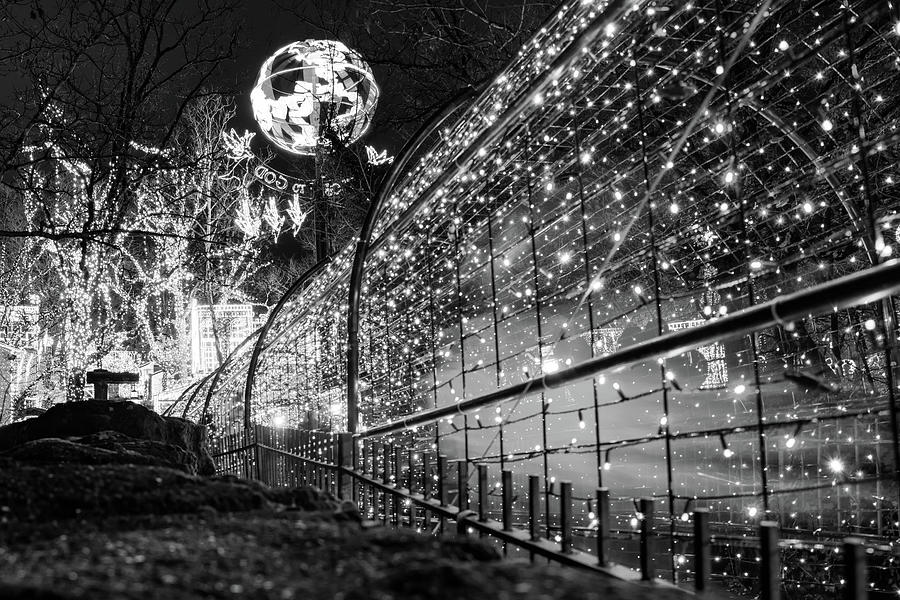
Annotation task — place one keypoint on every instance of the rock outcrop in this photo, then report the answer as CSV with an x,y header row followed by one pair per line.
x,y
106,509
163,441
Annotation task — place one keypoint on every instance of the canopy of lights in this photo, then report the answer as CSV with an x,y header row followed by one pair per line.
x,y
641,168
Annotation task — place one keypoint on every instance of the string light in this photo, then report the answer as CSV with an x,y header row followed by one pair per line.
x,y
541,252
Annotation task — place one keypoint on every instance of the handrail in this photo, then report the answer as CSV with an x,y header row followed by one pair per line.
x,y
858,288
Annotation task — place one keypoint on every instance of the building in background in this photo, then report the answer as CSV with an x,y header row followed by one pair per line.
x,y
217,329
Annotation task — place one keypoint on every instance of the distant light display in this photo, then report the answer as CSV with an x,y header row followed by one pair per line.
x,y
310,86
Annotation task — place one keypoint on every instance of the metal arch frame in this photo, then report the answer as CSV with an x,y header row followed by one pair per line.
x,y
194,388
218,373
364,241
803,145
409,151
861,287
571,54
264,332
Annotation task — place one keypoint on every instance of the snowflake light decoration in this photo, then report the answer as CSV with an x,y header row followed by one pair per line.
x,y
310,85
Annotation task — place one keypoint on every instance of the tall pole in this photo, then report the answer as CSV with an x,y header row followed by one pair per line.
x,y
319,210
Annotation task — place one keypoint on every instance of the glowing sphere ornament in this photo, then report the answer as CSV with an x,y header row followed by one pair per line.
x,y
309,87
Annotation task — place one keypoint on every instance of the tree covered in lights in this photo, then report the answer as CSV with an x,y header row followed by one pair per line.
x,y
120,199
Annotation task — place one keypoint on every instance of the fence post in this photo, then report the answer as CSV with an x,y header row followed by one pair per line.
x,y
426,490
647,571
442,486
387,454
426,476
482,493
375,501
320,473
855,569
345,462
506,480
398,483
256,458
565,516
603,526
701,550
462,482
411,478
354,488
534,506
770,570
334,450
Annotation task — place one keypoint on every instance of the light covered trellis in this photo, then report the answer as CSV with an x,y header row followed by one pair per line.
x,y
685,161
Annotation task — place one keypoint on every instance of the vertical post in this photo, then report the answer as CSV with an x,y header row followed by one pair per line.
x,y
855,569
534,506
462,482
506,479
647,571
442,485
374,452
398,466
386,479
482,493
397,505
426,490
770,569
364,468
364,456
701,550
565,517
256,458
307,473
354,488
398,483
411,478
603,526
344,462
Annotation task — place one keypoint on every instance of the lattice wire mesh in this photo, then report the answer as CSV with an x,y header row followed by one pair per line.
x,y
695,159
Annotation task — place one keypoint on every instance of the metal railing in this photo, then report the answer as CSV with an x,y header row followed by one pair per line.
x,y
623,265
396,482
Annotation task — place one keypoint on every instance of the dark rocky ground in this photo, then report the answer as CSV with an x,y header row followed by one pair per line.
x,y
82,518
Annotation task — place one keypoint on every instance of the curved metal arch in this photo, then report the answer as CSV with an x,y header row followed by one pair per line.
x,y
221,368
811,155
264,332
409,151
193,388
364,241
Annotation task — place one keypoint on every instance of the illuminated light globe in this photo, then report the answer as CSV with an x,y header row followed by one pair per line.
x,y
309,85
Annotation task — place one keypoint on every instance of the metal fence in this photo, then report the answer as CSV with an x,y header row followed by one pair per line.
x,y
556,281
